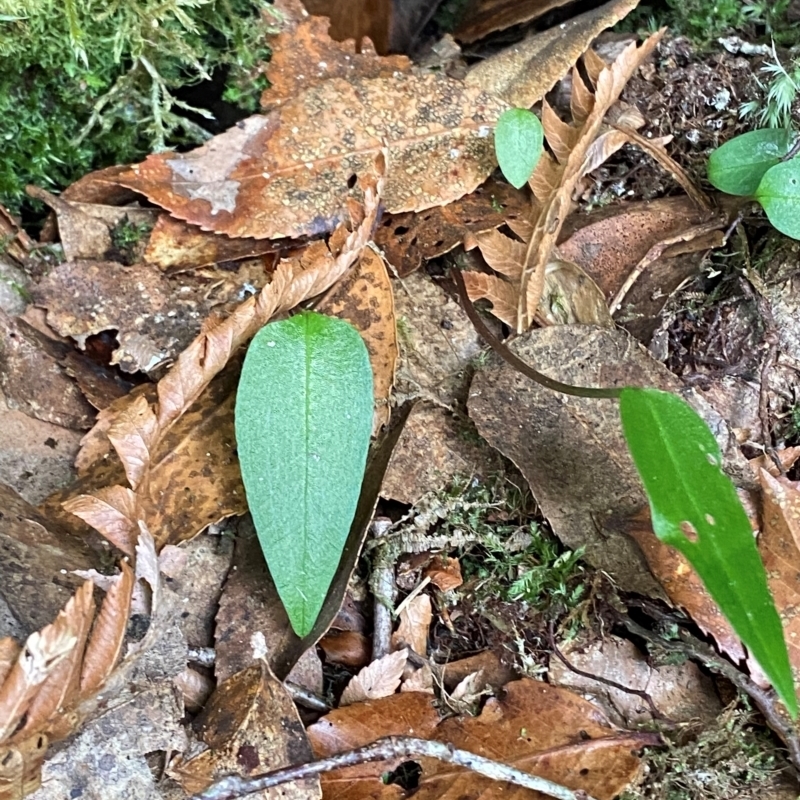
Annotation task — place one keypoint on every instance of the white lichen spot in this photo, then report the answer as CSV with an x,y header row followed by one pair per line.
x,y
270,344
323,65
265,176
455,153
309,165
484,131
295,129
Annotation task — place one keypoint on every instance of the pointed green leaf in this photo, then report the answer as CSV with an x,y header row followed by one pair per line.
x,y
695,509
739,165
303,424
779,194
518,140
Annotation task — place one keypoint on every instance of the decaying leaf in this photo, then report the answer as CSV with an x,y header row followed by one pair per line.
x,y
251,726
486,16
364,298
414,624
409,239
523,74
304,54
290,172
381,678
566,739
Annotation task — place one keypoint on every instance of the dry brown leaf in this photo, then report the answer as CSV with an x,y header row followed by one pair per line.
x,y
20,767
561,136
409,239
502,253
556,206
414,625
486,16
581,101
379,679
523,74
113,512
108,633
62,687
564,738
444,572
502,294
304,54
571,297
779,545
41,654
290,172
364,298
251,725
9,651
349,648
175,246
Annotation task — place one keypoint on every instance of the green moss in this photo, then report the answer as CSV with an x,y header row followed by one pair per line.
x,y
92,83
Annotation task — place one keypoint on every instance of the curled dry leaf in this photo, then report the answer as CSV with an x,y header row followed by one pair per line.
x,y
415,622
381,678
290,172
486,16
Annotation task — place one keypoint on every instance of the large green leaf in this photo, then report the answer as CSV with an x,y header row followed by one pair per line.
x,y
696,510
518,139
303,423
739,165
779,194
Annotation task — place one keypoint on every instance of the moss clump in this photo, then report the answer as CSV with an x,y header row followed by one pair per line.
x,y
85,84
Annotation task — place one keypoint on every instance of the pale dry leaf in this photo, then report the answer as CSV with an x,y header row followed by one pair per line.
x,y
108,634
561,136
498,291
42,653
581,101
133,434
113,512
9,651
544,180
61,688
415,622
571,297
593,64
379,679
556,206
469,689
502,253
420,680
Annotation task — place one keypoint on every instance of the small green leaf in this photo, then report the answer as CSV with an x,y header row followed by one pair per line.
x,y
518,140
303,423
696,510
739,165
779,194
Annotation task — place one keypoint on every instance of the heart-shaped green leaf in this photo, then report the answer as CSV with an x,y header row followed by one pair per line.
x,y
518,139
739,165
696,510
303,423
779,194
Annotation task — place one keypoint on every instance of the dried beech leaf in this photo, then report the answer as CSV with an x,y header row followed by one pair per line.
x,y
42,653
523,74
593,64
413,627
561,136
364,298
502,254
486,16
21,767
545,179
304,54
572,297
113,512
581,101
498,291
9,651
290,173
133,434
61,688
380,679
108,634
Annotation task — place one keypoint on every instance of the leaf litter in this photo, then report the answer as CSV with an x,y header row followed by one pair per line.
x,y
163,459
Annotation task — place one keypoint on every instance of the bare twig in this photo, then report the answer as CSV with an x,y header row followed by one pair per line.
x,y
391,747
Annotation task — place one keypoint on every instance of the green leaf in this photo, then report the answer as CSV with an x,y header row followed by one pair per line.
x,y
739,165
303,423
779,194
695,509
518,140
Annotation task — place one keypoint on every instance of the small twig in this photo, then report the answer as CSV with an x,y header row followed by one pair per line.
x,y
793,150
234,786
514,360
606,681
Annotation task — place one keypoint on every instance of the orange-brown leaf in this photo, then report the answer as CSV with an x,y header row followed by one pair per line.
x,y
61,688
42,653
502,254
108,634
9,651
560,135
290,173
581,101
133,434
498,291
113,512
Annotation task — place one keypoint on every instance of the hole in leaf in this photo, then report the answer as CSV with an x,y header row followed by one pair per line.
x,y
689,531
351,181
406,776
400,230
